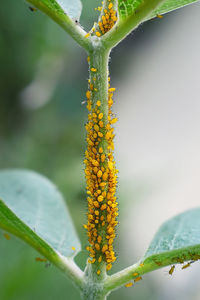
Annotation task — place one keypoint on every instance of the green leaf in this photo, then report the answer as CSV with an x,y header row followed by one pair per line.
x,y
177,240
71,8
129,7
61,7
170,5
33,209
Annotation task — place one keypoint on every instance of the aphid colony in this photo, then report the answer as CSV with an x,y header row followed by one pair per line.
x,y
107,20
101,179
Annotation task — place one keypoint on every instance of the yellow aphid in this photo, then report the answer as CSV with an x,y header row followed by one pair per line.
x,y
96,204
100,116
99,173
96,127
108,267
100,150
110,165
91,261
111,90
98,103
159,16
98,272
100,198
138,279
88,94
186,266
87,35
95,163
113,120
135,274
39,259
100,259
103,206
73,248
103,157
98,33
100,134
104,248
7,236
141,265
171,271
99,239
110,6
129,284
97,247
93,69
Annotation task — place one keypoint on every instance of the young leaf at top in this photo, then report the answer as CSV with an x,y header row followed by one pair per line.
x,y
32,208
177,240
129,7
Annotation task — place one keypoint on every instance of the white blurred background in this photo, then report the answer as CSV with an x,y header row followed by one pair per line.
x,y
158,141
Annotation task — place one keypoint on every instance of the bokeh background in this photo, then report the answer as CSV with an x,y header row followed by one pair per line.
x,y
43,80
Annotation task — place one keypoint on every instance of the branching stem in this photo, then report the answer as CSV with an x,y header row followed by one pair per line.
x,y
123,27
71,270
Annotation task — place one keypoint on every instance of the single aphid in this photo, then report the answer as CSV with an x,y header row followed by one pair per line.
x,y
171,271
6,235
39,259
141,265
138,279
186,266
129,284
33,9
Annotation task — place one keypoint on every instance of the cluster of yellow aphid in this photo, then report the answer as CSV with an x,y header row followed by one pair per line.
x,y
107,21
101,178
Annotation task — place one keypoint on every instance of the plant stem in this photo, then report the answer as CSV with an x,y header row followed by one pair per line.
x,y
99,296
124,26
71,270
99,57
95,273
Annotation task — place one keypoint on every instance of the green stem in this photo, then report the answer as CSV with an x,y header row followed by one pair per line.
x,y
71,270
99,296
124,26
95,273
150,264
99,58
70,26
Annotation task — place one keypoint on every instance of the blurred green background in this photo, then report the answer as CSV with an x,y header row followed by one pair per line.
x,y
43,80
